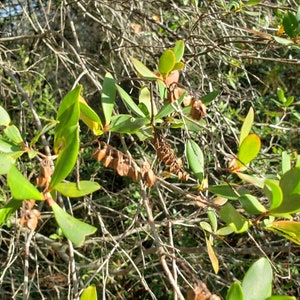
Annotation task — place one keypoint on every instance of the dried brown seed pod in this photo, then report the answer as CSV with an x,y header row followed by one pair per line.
x,y
198,109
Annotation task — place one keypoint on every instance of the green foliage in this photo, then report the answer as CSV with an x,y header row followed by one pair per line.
x,y
90,293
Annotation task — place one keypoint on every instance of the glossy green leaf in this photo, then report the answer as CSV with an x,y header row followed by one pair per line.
x,y
235,292
212,256
290,186
286,162
288,229
166,62
21,188
90,293
227,191
290,25
4,117
195,159
247,125
72,228
127,124
66,137
273,192
260,271
74,189
210,97
233,218
108,97
248,150
8,209
133,108
178,50
45,129
251,204
13,134
142,70
90,118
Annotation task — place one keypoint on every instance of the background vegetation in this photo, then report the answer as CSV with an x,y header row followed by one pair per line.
x,y
235,47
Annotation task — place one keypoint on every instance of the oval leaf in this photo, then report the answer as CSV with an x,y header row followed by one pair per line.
x,y
72,228
73,190
143,70
235,292
195,159
166,62
251,205
247,125
127,124
261,270
249,149
178,50
13,134
226,191
4,117
273,192
8,209
90,293
108,97
21,188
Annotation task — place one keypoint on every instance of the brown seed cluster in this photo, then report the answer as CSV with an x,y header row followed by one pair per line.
x,y
123,164
165,152
29,216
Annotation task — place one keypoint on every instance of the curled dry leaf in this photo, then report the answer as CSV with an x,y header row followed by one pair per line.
x,y
45,173
123,164
198,109
165,152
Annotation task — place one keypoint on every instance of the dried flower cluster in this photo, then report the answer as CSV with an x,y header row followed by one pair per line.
x,y
123,164
29,216
165,152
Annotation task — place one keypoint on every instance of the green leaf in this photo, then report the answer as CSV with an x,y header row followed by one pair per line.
x,y
249,149
8,209
235,292
108,97
145,98
166,62
13,134
286,162
290,186
72,228
133,108
210,97
252,2
6,160
74,190
282,41
7,146
178,50
46,128
247,125
66,137
90,293
225,230
21,188
233,218
290,25
288,229
256,181
168,108
206,226
90,118
178,66
273,192
195,159
127,124
143,70
281,298
4,117
212,218
261,272
227,191
251,205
